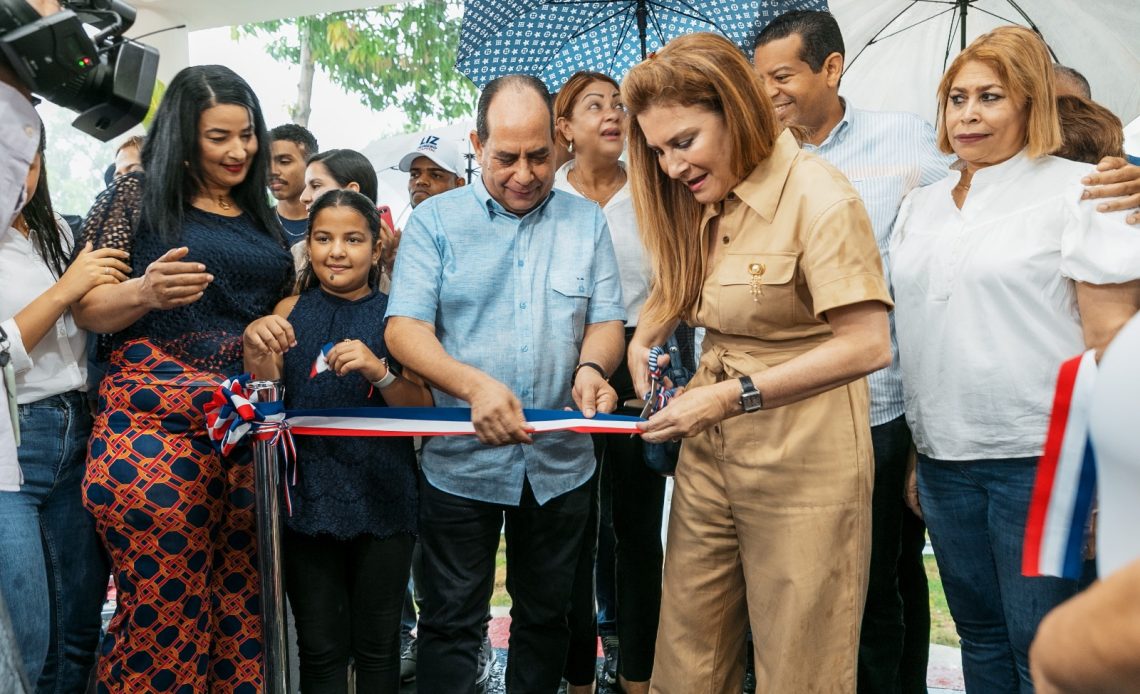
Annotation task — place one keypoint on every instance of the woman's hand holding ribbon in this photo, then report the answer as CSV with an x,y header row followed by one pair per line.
x,y
690,412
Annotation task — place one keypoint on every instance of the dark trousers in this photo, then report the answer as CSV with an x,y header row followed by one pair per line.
x,y
458,538
894,643
916,606
582,619
633,496
347,596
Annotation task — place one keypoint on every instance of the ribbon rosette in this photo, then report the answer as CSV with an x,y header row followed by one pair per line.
x,y
234,413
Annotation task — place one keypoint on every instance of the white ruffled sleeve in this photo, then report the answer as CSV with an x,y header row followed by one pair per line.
x,y
1098,247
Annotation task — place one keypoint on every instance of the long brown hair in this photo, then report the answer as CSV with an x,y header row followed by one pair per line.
x,y
707,71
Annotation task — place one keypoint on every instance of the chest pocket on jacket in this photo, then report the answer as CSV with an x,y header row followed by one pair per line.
x,y
757,292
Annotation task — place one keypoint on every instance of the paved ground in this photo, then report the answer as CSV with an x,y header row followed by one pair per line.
x,y
944,674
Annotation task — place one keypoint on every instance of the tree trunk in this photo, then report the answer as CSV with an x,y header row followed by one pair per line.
x,y
303,108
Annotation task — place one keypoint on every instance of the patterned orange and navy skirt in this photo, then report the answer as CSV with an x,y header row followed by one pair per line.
x,y
178,523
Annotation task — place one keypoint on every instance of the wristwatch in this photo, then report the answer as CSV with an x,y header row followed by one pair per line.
x,y
387,379
750,399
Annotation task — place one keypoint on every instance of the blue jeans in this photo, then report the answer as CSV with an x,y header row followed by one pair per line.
x,y
52,571
975,512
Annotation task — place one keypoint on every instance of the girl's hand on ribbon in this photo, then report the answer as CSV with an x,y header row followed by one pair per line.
x,y
592,394
690,412
353,356
268,335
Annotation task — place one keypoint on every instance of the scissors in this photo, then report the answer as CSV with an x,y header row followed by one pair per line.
x,y
651,399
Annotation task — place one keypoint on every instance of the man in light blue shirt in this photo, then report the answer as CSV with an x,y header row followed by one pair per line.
x,y
505,296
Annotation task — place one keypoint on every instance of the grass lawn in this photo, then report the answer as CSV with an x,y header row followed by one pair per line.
x,y
941,626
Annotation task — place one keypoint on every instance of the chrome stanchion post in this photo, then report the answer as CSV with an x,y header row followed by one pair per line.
x,y
267,488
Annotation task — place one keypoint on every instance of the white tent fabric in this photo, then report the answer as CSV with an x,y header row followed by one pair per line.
x,y
1101,39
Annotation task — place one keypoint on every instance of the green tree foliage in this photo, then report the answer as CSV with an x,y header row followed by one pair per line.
x,y
395,55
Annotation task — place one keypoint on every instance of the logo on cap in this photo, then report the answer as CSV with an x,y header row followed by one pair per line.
x,y
429,144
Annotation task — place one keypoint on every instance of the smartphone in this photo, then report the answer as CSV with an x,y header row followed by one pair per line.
x,y
386,216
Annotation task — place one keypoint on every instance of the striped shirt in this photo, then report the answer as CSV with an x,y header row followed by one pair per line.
x,y
885,155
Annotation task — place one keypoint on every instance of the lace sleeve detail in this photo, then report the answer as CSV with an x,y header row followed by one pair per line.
x,y
113,218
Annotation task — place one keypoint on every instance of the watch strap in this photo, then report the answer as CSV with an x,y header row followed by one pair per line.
x,y
588,365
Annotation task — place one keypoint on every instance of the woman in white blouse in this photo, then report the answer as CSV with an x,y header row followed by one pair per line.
x,y
591,122
1000,274
52,571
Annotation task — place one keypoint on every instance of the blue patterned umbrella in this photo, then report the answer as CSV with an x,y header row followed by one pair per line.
x,y
554,39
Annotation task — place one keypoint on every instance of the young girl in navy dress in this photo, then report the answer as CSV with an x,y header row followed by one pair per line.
x,y
348,543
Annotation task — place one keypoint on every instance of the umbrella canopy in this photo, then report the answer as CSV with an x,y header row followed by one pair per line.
x,y
552,40
385,155
897,50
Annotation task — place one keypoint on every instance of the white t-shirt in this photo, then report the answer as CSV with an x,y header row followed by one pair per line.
x,y
633,266
985,301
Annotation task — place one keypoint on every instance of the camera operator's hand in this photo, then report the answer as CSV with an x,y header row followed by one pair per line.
x,y
497,414
169,283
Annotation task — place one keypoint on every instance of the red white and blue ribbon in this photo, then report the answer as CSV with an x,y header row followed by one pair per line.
x,y
321,363
1065,488
233,414
442,421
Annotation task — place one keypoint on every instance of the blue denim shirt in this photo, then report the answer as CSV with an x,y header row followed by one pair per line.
x,y
510,296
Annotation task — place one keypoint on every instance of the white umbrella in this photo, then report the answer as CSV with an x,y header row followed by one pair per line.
x,y
385,155
897,50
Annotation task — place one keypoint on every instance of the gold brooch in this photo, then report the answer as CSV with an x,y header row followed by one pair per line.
x,y
756,270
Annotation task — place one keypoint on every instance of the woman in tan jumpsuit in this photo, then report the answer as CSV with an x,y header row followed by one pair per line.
x,y
770,249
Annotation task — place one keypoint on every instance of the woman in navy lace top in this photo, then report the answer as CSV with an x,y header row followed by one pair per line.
x,y
348,544
176,519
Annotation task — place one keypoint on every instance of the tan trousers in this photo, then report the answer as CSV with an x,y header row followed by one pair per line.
x,y
770,525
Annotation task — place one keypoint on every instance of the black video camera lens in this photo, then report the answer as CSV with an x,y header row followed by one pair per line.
x,y
107,79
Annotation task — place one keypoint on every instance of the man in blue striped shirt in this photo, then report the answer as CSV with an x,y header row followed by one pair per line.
x,y
800,57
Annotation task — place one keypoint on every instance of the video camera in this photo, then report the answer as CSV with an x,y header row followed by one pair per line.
x,y
78,58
